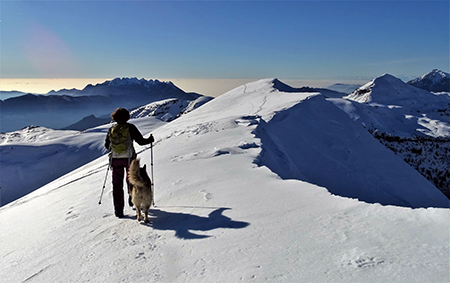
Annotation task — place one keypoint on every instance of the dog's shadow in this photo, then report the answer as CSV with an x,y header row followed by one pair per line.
x,y
183,223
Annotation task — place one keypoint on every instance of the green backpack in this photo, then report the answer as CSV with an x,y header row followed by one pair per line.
x,y
119,135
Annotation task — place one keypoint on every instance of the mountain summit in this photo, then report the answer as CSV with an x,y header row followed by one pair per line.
x,y
388,90
435,81
389,105
412,122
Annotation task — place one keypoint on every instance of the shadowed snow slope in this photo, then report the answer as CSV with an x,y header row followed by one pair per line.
x,y
316,142
219,217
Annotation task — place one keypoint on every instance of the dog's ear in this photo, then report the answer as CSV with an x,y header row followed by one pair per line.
x,y
145,167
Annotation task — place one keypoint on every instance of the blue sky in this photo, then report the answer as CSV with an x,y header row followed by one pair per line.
x,y
223,39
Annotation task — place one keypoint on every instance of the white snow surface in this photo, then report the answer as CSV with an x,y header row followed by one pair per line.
x,y
388,89
242,187
52,153
49,154
33,134
389,105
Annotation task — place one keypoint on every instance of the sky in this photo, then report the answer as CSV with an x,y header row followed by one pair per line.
x,y
296,40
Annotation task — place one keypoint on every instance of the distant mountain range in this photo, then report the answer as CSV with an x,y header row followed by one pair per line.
x,y
57,109
63,108
414,123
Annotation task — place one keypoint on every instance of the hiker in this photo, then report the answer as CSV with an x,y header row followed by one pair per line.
x,y
119,141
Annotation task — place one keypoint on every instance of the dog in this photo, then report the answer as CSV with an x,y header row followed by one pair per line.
x,y
141,194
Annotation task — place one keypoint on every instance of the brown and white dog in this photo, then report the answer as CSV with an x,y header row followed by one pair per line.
x,y
141,195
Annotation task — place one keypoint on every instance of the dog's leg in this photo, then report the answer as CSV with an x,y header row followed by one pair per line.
x,y
138,211
146,208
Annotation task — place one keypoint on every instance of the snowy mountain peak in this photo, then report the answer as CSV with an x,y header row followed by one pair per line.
x,y
436,81
135,81
277,84
384,80
388,78
435,75
388,90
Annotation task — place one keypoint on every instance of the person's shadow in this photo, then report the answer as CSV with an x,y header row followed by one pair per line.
x,y
182,223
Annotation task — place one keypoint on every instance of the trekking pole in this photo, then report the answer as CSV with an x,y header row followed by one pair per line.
x,y
153,180
106,177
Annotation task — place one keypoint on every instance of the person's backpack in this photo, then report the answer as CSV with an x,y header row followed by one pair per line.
x,y
120,139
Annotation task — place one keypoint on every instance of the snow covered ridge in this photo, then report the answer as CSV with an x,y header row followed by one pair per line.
x,y
169,109
412,122
435,81
387,104
239,199
390,90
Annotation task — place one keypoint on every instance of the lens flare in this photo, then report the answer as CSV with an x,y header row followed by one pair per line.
x,y
49,55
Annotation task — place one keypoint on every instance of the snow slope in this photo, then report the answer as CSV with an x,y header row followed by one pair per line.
x,y
412,122
389,105
40,156
222,215
314,136
50,153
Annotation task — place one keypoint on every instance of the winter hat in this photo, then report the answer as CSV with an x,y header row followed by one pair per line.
x,y
120,115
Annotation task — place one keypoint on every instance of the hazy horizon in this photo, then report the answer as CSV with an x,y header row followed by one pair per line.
x,y
209,87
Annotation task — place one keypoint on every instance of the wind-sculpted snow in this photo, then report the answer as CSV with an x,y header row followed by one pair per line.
x,y
168,109
316,142
33,134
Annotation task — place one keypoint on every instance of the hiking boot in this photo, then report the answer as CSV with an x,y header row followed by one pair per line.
x,y
119,213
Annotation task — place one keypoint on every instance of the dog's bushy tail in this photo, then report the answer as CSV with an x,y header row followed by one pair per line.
x,y
135,176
